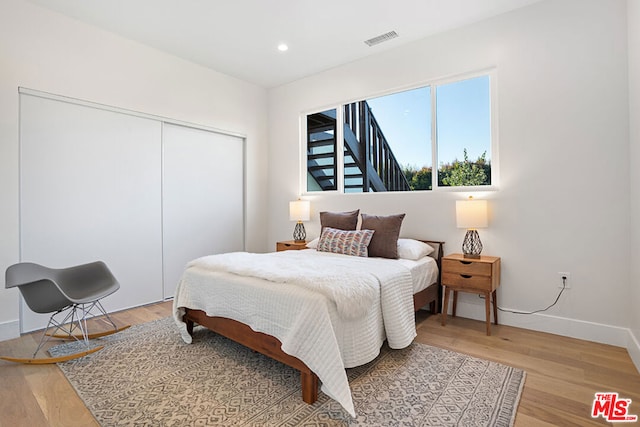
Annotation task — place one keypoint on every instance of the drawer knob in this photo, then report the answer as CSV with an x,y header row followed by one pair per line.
x,y
466,262
465,276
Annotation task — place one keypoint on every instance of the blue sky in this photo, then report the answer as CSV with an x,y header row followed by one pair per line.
x,y
463,115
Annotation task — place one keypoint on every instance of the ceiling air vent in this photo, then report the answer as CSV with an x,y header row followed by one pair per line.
x,y
381,38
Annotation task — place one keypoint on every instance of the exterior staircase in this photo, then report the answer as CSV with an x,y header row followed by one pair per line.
x,y
322,149
369,163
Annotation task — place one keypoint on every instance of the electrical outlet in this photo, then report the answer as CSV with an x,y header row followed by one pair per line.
x,y
565,279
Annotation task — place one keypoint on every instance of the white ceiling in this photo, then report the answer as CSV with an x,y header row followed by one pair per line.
x,y
240,37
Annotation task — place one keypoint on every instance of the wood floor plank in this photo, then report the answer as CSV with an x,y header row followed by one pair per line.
x,y
575,391
18,404
563,374
57,398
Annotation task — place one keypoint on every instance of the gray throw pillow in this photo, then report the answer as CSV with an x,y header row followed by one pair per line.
x,y
339,220
385,239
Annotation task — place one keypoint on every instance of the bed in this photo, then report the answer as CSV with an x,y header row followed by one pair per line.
x,y
316,333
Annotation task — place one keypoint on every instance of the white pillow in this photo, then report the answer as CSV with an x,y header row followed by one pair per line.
x,y
313,244
413,249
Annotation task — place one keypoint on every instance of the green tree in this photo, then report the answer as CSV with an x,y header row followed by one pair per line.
x,y
462,173
409,172
421,180
418,179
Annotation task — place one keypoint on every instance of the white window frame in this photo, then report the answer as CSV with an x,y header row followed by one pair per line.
x,y
493,124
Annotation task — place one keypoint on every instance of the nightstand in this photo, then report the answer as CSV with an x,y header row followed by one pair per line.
x,y
290,245
474,275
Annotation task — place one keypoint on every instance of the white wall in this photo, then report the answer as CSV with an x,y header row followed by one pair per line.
x,y
563,198
49,52
633,14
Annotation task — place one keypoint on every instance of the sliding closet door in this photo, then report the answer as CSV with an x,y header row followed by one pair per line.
x,y
202,197
90,189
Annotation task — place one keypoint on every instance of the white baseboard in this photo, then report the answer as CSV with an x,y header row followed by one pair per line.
x,y
633,347
9,330
584,330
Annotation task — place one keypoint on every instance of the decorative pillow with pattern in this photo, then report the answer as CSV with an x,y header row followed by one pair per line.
x,y
351,242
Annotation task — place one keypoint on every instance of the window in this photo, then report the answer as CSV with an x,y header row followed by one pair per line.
x,y
464,133
392,142
322,151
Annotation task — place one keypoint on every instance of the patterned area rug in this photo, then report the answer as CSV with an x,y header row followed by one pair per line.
x,y
147,375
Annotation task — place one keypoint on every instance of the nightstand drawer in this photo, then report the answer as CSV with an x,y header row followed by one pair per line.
x,y
466,267
290,245
466,281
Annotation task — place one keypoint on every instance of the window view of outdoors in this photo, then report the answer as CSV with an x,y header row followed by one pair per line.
x,y
464,132
388,142
405,118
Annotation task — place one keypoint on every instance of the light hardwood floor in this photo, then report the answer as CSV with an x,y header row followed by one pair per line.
x,y
562,373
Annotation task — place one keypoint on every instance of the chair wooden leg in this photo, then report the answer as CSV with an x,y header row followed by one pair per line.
x,y
50,360
89,336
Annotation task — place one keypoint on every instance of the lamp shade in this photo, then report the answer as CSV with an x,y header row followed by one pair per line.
x,y
471,213
299,210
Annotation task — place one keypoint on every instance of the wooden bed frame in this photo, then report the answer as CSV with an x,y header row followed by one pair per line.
x,y
272,347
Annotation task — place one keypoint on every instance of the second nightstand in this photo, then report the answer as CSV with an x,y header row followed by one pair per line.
x,y
290,245
475,275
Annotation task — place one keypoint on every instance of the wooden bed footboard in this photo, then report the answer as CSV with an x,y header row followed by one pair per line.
x,y
271,347
262,343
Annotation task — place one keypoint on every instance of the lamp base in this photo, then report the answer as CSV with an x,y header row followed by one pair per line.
x,y
299,233
471,245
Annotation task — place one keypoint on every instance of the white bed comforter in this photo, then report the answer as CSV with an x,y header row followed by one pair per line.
x,y
291,295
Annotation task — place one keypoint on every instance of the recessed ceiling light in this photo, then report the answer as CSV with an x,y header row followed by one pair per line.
x,y
283,47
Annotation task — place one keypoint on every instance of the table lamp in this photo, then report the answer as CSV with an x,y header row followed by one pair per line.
x,y
471,214
299,211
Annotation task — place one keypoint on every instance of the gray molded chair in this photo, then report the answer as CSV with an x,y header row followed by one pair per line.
x,y
68,293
